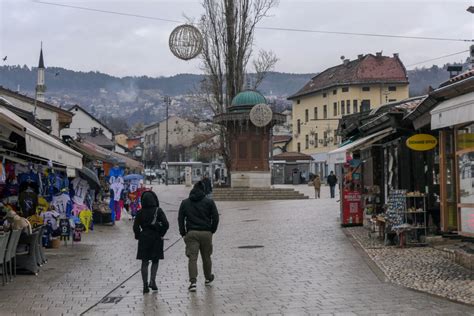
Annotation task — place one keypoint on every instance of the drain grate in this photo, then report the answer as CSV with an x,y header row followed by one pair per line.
x,y
111,299
250,220
250,247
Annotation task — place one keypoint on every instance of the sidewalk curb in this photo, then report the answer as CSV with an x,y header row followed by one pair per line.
x,y
381,274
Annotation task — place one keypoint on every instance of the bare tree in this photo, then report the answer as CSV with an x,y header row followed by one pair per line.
x,y
228,28
263,64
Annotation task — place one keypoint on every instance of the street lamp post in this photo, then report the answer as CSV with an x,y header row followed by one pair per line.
x,y
167,101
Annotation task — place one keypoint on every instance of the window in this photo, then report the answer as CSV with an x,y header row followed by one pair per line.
x,y
334,91
365,88
47,122
365,105
335,109
298,126
392,100
316,140
325,137
324,95
256,150
306,140
315,113
345,89
392,88
343,108
325,111
306,115
298,101
299,147
355,106
243,150
348,104
335,138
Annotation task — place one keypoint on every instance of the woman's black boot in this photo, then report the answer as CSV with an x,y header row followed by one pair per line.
x,y
145,288
153,286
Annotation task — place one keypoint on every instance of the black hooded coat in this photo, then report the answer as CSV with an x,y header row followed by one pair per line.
x,y
197,213
150,242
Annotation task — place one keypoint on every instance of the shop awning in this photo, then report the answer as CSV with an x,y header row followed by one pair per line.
x,y
39,143
339,155
103,154
454,111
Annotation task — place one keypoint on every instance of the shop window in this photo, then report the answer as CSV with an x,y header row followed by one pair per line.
x,y
298,126
355,106
345,89
256,152
365,105
315,113
392,88
316,140
465,138
306,115
365,89
299,147
335,109
325,111
343,108
465,144
348,104
243,150
306,139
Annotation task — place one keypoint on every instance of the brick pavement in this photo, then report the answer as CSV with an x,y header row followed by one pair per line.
x,y
307,266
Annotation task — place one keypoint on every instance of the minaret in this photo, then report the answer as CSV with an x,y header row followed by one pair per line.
x,y
40,86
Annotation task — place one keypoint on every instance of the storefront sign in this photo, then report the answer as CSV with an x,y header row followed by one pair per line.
x,y
422,142
465,141
351,208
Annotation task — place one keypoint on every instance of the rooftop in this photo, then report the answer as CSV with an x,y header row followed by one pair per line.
x,y
363,70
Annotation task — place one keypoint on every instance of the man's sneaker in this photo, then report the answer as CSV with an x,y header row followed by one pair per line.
x,y
192,287
208,282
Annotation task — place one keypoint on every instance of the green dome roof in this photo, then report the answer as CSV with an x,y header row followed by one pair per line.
x,y
248,98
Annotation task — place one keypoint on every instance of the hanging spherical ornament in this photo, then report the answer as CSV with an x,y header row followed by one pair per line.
x,y
186,42
261,115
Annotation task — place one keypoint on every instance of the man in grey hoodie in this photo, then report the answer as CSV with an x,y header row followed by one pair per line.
x,y
198,220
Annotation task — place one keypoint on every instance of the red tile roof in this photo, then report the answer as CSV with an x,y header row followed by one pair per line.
x,y
464,75
292,156
364,70
281,138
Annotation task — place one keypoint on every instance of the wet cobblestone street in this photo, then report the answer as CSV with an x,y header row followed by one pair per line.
x,y
307,265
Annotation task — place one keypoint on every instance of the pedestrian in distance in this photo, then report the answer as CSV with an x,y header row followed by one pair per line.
x,y
198,220
317,187
332,181
150,226
207,186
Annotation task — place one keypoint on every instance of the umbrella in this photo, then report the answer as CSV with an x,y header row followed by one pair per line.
x,y
90,176
132,177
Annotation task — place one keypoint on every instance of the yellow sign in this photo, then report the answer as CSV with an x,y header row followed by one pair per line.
x,y
465,141
422,142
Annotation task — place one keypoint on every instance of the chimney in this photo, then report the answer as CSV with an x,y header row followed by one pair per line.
x,y
378,54
395,55
346,62
360,56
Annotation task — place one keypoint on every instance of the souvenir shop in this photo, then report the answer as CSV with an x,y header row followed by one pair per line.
x,y
39,183
390,180
119,181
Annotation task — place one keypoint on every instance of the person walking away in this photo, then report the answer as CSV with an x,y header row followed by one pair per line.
x,y
332,181
207,186
150,226
198,220
317,187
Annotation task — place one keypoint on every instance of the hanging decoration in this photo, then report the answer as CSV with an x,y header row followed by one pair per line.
x,y
186,42
261,115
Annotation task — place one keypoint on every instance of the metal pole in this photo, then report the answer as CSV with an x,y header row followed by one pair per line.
x,y
167,101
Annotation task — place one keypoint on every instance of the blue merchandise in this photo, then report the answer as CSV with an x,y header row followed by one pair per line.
x,y
28,177
47,235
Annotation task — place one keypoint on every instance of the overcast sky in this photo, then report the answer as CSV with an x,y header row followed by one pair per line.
x,y
121,45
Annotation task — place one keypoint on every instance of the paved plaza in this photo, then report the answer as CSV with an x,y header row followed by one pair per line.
x,y
306,265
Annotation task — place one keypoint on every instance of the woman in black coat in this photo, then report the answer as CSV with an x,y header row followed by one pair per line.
x,y
149,227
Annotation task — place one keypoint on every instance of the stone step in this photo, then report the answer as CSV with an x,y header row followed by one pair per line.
x,y
255,194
